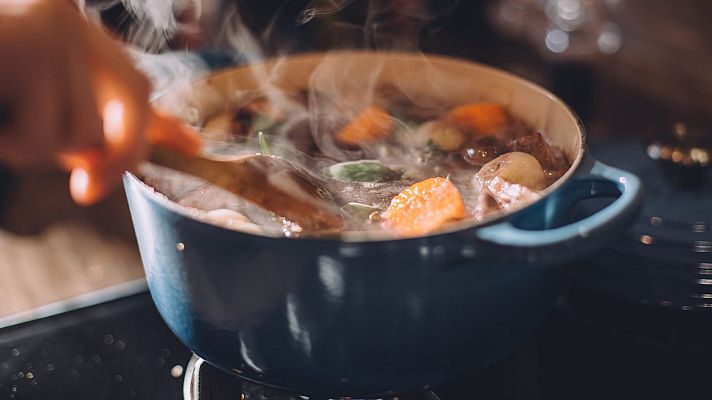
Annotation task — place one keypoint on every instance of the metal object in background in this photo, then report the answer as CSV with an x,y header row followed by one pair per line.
x,y
684,153
563,30
665,258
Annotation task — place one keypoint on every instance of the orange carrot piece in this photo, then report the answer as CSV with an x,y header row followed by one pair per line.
x,y
479,118
424,207
373,123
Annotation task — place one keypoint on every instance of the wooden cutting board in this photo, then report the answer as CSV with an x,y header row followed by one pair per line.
x,y
65,250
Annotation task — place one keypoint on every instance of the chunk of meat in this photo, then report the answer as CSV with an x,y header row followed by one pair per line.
x,y
508,194
424,208
486,204
482,150
299,134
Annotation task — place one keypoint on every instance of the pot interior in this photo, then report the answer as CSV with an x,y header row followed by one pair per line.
x,y
437,78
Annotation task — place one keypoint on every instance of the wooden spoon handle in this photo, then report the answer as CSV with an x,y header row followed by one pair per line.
x,y
267,181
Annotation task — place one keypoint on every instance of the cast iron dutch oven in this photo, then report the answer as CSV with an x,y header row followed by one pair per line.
x,y
358,317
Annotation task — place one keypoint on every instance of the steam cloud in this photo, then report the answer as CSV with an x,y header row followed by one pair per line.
x,y
334,96
320,8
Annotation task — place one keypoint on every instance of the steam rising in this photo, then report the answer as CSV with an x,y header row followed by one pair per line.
x,y
149,24
333,95
321,8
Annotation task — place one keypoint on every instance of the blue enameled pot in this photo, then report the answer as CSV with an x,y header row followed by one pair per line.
x,y
365,318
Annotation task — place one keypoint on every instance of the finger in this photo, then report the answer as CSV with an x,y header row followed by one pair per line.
x,y
85,159
92,180
84,137
169,132
121,94
124,147
81,190
92,184
124,123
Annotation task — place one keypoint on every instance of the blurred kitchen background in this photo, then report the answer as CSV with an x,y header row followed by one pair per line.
x,y
629,68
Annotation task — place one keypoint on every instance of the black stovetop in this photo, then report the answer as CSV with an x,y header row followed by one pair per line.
x,y
602,348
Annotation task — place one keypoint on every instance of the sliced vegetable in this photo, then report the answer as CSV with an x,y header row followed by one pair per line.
x,y
444,135
479,118
362,171
372,124
424,207
515,167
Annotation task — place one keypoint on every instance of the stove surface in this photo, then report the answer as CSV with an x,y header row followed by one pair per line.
x,y
117,350
589,347
203,381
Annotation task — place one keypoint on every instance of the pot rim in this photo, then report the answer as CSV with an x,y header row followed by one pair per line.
x,y
379,236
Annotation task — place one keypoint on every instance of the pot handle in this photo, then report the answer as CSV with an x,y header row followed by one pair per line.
x,y
542,231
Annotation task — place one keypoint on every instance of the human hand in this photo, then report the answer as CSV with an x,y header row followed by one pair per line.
x,y
69,96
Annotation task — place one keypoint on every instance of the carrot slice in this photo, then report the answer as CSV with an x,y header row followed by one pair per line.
x,y
373,123
424,207
479,118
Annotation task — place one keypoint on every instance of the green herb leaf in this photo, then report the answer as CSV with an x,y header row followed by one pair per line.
x,y
264,147
362,171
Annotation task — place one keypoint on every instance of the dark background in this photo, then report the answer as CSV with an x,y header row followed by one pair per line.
x,y
659,75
